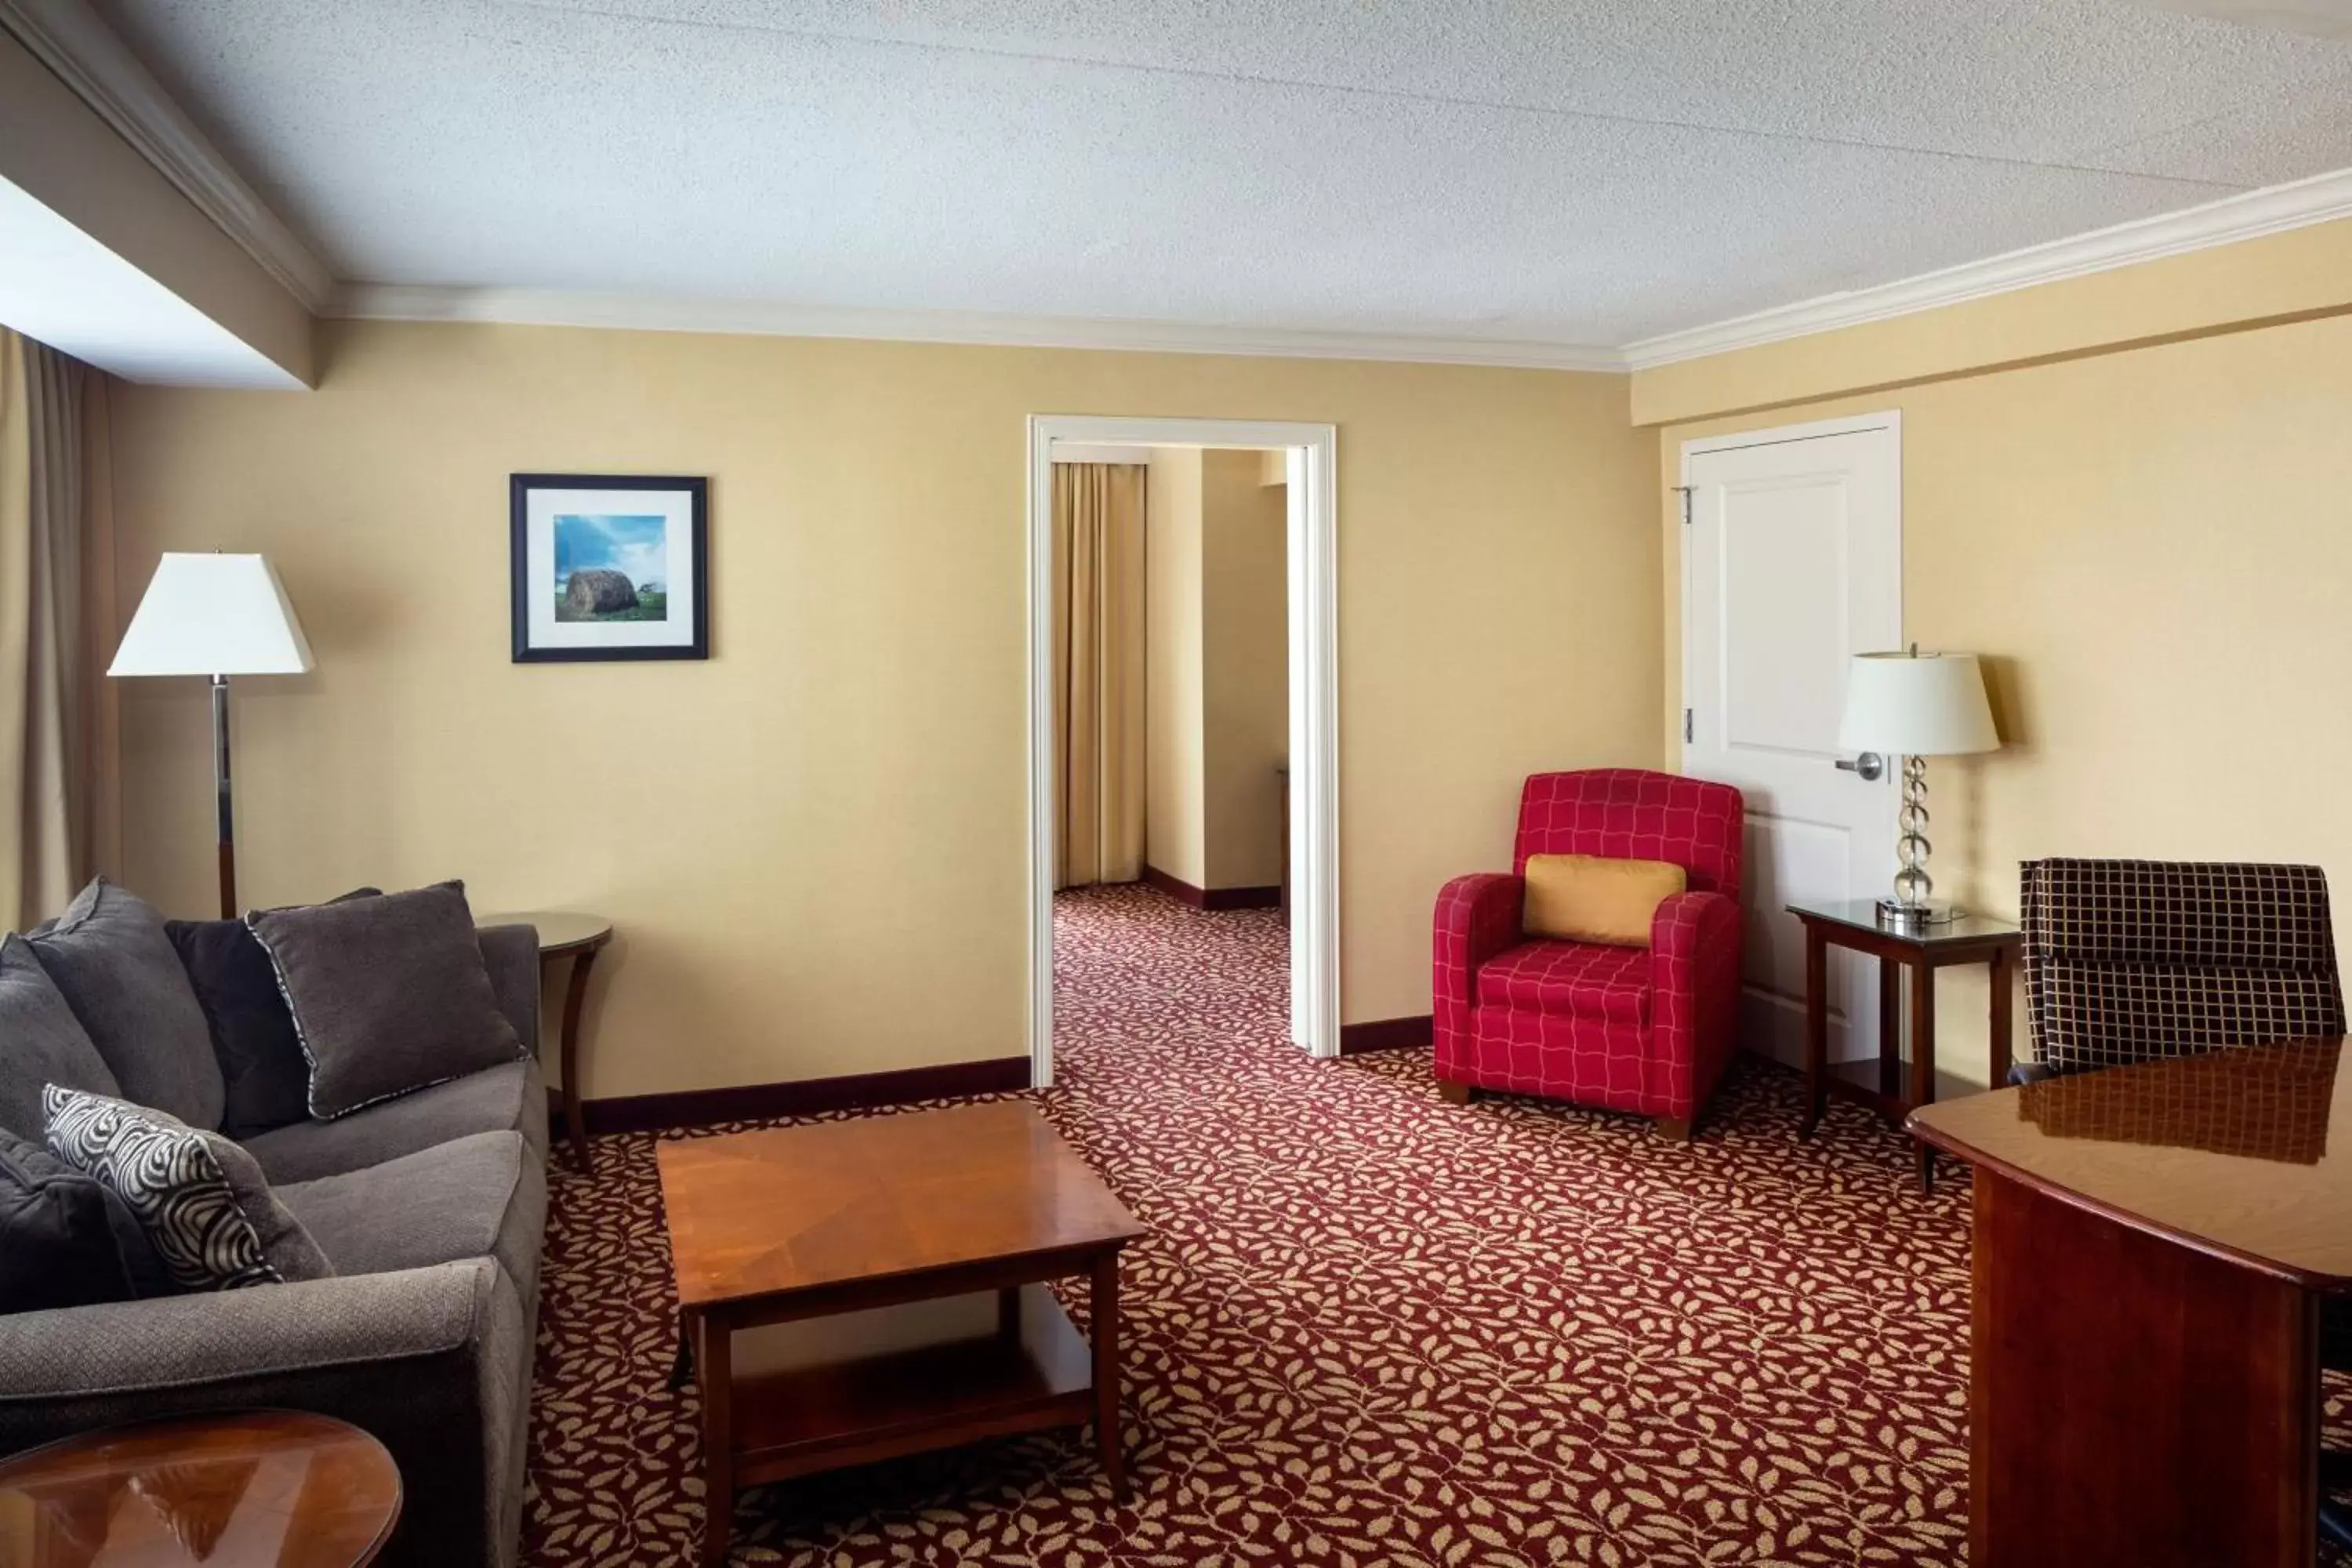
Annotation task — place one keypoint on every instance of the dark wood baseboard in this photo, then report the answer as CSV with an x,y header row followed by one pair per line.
x,y
1183,892
758,1102
1386,1035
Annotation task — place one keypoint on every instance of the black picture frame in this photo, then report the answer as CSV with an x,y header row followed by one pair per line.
x,y
518,492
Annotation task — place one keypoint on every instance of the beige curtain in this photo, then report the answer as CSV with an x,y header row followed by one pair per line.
x,y
48,503
1097,673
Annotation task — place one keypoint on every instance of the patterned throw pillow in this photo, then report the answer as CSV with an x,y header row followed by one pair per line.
x,y
202,1200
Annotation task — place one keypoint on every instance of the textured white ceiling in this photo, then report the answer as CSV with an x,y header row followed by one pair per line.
x,y
1570,172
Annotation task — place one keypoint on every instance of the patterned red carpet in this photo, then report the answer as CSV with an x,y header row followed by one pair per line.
x,y
1368,1328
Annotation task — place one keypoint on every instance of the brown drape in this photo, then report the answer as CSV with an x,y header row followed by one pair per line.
x,y
48,501
1097,673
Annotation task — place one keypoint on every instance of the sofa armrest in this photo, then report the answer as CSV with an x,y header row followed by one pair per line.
x,y
1694,951
512,955
433,1362
1477,917
169,1340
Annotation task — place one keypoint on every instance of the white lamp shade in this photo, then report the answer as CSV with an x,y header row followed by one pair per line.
x,y
1916,705
212,615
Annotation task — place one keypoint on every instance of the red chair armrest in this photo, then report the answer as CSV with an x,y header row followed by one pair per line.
x,y
1695,946
1477,917
1688,922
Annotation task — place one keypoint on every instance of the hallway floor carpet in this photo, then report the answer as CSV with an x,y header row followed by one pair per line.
x,y
1368,1328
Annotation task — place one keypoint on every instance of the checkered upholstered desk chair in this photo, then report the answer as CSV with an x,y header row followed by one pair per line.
x,y
1647,1030
2126,960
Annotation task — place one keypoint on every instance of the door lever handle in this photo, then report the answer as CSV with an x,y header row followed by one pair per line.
x,y
1870,765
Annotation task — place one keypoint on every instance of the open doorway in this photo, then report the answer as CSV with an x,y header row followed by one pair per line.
x,y
1183,731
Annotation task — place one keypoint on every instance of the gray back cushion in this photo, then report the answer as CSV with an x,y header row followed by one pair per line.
x,y
118,971
41,1042
388,994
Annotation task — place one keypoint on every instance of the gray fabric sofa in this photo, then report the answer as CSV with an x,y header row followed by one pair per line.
x,y
431,1206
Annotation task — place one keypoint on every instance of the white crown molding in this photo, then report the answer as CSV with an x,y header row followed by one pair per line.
x,y
2249,214
558,308
67,37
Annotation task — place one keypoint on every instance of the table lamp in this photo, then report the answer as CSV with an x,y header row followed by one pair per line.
x,y
1919,705
218,615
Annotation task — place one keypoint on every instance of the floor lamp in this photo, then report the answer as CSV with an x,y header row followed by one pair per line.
x,y
216,615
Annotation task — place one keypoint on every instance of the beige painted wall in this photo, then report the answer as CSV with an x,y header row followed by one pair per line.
x,y
1175,808
1217,668
55,147
1245,694
813,845
2151,549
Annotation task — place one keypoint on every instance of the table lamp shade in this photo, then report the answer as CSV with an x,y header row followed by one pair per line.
x,y
212,615
1918,705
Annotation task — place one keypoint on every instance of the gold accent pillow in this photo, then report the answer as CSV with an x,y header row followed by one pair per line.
x,y
1589,898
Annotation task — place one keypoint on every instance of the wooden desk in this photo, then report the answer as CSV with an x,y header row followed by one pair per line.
x,y
1857,925
2152,1247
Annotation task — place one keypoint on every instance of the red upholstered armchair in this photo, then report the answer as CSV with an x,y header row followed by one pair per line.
x,y
1627,1029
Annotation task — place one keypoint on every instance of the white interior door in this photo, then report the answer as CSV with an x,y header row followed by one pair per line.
x,y
1792,563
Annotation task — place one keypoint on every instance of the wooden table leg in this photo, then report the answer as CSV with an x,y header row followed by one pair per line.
x,y
1998,1032
714,1360
1923,1058
1890,1025
1817,1029
568,1055
1106,1349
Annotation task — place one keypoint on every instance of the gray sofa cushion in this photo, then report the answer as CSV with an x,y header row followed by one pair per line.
x,y
132,1271
41,1042
56,1245
116,968
485,1196
509,1098
267,1081
388,995
202,1200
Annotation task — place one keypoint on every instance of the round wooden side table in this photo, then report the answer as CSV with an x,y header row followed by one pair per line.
x,y
252,1488
565,934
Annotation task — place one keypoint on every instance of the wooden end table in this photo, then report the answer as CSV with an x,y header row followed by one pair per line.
x,y
840,1216
563,934
1856,925
255,1488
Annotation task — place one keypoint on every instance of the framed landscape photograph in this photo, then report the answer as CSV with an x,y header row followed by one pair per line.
x,y
609,566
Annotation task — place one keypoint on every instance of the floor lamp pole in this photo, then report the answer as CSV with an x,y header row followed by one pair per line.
x,y
227,818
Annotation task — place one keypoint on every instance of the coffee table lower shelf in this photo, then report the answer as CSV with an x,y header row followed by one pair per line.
x,y
819,1418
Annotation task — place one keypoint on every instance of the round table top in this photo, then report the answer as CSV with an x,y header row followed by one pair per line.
x,y
258,1487
558,930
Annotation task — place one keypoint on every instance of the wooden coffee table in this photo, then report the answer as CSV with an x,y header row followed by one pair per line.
x,y
236,1489
841,1216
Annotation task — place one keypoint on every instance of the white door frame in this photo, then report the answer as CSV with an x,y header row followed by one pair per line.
x,y
1313,588
1889,420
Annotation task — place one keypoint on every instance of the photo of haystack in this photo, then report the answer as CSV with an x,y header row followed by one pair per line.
x,y
611,567
608,567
